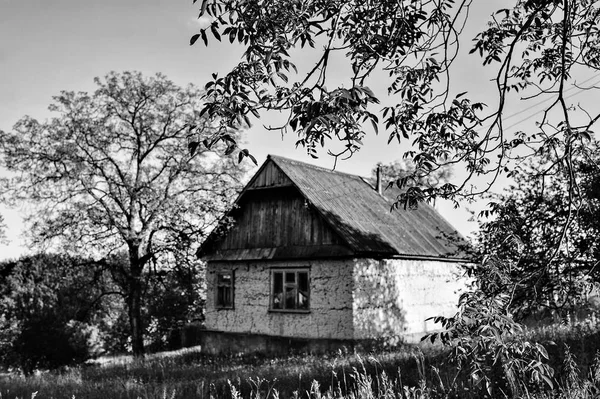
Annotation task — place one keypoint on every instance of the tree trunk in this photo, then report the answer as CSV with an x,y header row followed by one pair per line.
x,y
134,303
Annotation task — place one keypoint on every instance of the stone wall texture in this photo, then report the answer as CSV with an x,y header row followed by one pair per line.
x,y
349,299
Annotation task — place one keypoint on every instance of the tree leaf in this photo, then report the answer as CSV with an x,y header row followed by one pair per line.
x,y
587,134
215,31
253,159
230,148
192,147
375,126
203,7
194,38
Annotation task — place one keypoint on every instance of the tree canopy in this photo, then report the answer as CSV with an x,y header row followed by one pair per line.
x,y
537,48
553,253
121,169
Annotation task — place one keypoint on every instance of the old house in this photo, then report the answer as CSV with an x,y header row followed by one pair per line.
x,y
317,255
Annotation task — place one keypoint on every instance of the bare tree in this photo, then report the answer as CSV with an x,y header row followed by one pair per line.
x,y
121,169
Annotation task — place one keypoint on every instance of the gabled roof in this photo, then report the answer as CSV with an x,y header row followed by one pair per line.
x,y
363,218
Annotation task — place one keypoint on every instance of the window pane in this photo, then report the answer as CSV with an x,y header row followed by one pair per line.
x,y
277,290
302,300
290,297
224,290
219,296
227,296
224,279
277,282
224,297
290,289
303,281
290,277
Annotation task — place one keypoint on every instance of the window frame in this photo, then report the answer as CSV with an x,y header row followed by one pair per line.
x,y
295,285
219,284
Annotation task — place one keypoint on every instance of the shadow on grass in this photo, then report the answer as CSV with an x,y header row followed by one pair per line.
x,y
191,374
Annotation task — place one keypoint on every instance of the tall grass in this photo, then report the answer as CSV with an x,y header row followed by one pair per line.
x,y
405,373
194,375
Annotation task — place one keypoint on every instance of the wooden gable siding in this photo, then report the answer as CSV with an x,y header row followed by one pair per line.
x,y
270,176
276,218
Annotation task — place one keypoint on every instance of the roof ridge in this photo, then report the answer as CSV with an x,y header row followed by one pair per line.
x,y
310,165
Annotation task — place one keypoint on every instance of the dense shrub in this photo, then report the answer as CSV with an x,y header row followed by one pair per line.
x,y
47,343
176,299
50,312
58,310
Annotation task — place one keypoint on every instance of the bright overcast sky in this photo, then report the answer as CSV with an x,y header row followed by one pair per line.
x,y
49,46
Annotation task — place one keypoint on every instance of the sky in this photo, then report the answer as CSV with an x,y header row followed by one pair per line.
x,y
49,46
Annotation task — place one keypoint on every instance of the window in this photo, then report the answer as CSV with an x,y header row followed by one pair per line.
x,y
224,290
290,290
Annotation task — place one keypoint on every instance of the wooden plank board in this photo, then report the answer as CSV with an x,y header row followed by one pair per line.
x,y
274,218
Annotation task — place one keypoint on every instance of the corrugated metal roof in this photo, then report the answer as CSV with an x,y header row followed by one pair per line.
x,y
363,218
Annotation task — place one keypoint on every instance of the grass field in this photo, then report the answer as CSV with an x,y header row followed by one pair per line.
x,y
407,372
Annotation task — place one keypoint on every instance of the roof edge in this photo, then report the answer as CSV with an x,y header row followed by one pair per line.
x,y
211,236
436,258
306,164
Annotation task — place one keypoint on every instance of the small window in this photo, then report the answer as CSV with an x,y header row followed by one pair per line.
x,y
290,290
224,290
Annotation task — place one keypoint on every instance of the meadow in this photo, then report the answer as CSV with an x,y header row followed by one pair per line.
x,y
407,372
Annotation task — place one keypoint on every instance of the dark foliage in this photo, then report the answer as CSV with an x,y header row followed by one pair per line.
x,y
536,49
547,225
175,300
51,306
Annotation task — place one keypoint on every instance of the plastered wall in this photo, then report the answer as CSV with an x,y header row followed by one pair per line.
x,y
350,299
330,313
393,297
